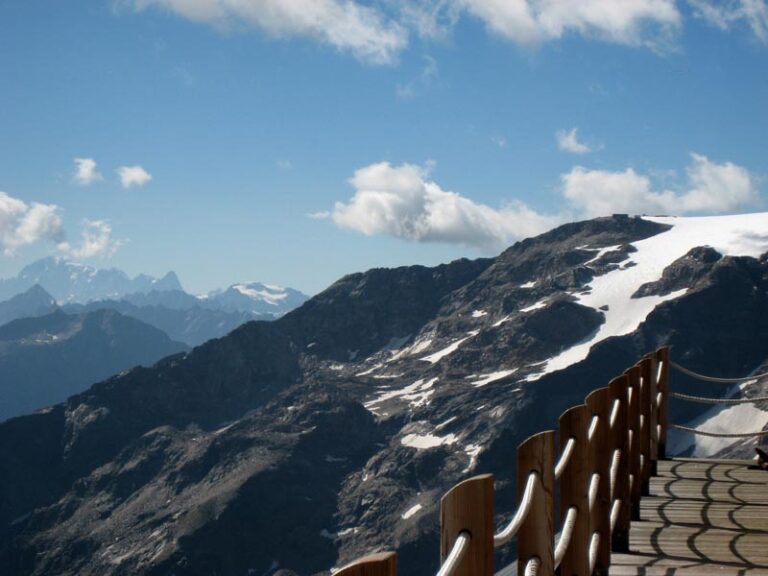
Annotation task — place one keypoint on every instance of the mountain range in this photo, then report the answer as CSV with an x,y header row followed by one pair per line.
x,y
70,282
296,445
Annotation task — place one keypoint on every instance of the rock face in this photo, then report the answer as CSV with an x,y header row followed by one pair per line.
x,y
297,445
46,359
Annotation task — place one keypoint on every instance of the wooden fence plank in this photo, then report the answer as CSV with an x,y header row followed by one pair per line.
x,y
537,534
469,506
573,489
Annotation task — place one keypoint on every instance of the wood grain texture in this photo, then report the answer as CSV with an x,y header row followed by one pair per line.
x,y
618,388
469,506
382,564
633,426
600,463
573,489
537,534
662,355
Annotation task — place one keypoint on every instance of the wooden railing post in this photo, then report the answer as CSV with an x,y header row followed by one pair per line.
x,y
633,429
537,534
599,463
468,506
620,532
383,564
662,357
654,411
574,424
645,424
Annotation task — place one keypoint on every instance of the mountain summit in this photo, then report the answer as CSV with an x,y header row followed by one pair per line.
x,y
332,432
69,281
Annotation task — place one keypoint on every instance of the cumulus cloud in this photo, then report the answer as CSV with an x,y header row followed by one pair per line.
x,y
22,224
133,176
86,172
710,187
96,240
344,24
725,13
633,22
568,141
403,201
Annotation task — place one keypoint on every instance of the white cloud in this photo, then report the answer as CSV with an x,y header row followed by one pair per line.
x,y
402,201
499,141
710,187
633,22
345,24
86,172
133,176
725,13
96,240
568,141
22,224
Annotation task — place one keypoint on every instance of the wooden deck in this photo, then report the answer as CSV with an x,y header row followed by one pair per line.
x,y
700,517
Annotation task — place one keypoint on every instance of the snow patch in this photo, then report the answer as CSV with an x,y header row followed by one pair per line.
x,y
417,394
450,349
536,306
473,451
411,511
488,378
600,253
427,441
739,235
270,296
527,285
720,419
479,313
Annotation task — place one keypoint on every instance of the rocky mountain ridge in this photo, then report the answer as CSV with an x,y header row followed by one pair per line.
x,y
333,431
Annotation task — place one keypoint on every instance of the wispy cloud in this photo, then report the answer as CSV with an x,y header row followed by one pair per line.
x,y
347,25
22,224
568,141
726,13
499,141
632,22
422,82
86,172
96,241
133,176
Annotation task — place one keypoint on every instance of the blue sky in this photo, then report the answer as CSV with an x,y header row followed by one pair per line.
x,y
294,141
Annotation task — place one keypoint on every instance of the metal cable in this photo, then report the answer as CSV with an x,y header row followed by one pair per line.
x,y
704,378
615,508
565,457
703,400
593,427
594,483
532,567
594,544
614,412
460,547
522,512
615,469
561,546
719,434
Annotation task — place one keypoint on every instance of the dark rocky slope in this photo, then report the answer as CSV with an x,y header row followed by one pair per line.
x,y
333,431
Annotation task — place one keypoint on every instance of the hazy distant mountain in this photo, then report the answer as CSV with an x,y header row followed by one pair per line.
x,y
46,359
257,298
178,314
69,281
34,302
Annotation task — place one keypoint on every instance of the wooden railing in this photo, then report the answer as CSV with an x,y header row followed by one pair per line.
x,y
608,449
